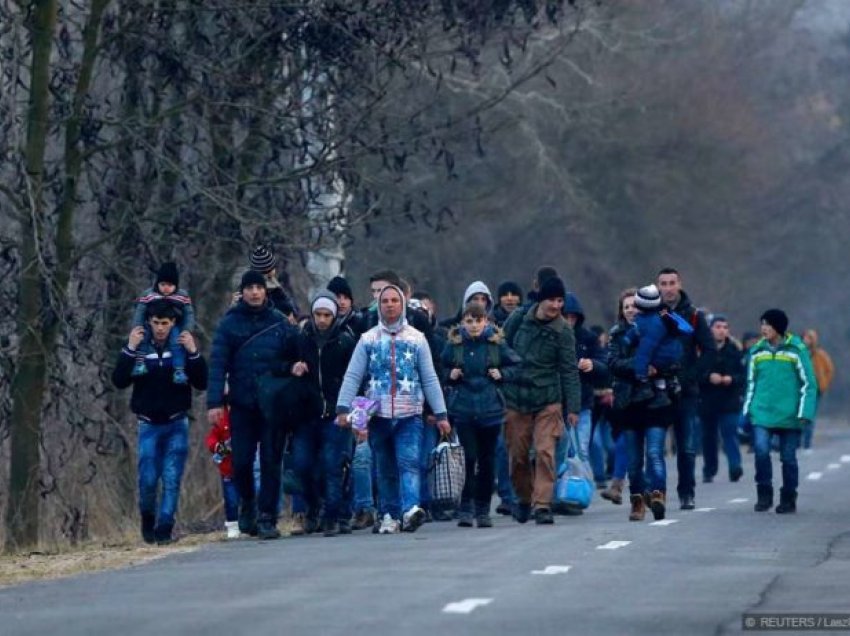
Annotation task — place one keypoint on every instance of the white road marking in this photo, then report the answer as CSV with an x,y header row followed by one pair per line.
x,y
814,476
664,522
466,606
739,500
833,466
704,509
553,569
613,545
845,459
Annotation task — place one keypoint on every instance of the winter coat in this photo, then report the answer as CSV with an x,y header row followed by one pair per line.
x,y
624,412
700,340
656,346
220,434
398,364
587,346
156,398
475,395
179,299
500,315
781,385
327,362
719,398
353,321
548,373
249,343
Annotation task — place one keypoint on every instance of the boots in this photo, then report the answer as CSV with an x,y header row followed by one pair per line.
x,y
267,528
638,508
148,525
657,504
248,518
614,492
787,502
765,498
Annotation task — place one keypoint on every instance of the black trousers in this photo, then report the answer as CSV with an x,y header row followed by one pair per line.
x,y
248,428
479,447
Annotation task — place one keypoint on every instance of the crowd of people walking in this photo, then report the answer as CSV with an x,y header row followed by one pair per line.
x,y
505,377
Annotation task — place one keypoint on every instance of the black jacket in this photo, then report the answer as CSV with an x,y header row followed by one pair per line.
x,y
715,398
587,346
499,315
327,363
692,344
156,398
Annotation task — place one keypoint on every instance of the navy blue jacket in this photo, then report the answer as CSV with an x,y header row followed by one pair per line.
x,y
249,343
476,396
656,346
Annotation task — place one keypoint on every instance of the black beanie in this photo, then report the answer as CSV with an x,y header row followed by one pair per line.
x,y
508,287
777,319
552,288
339,285
252,277
168,274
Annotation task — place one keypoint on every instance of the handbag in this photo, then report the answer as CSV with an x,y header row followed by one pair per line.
x,y
574,486
447,472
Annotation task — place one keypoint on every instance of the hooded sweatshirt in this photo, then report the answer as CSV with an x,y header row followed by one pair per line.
x,y
397,361
477,287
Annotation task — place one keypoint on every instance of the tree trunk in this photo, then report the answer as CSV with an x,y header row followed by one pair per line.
x,y
28,385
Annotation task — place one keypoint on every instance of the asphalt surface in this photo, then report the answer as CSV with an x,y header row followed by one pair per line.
x,y
696,575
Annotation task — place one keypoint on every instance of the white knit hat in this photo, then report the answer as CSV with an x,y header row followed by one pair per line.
x,y
648,298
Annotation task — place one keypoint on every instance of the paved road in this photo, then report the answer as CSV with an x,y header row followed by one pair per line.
x,y
696,575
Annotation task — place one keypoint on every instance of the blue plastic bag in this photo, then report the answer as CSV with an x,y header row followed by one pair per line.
x,y
575,478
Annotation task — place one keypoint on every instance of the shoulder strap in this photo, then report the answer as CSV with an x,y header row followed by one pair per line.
x,y
458,360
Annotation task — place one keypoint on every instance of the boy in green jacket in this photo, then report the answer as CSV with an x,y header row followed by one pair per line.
x,y
781,399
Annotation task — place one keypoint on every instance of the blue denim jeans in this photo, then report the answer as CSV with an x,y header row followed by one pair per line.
x,y
726,424
621,457
789,440
503,471
647,441
231,499
429,441
396,446
362,469
321,457
686,427
162,457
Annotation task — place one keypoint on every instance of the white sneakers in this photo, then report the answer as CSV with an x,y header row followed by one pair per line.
x,y
232,528
412,519
389,525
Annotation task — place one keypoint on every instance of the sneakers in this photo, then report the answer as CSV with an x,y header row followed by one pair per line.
x,y
363,519
465,520
614,492
232,528
299,522
504,508
736,473
483,521
390,525
543,517
344,526
521,512
180,376
686,502
439,514
248,518
148,524
267,529
140,368
412,519
657,504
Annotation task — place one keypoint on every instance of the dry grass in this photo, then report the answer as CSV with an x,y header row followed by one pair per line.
x,y
20,568
96,557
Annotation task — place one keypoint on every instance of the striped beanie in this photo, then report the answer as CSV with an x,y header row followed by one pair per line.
x,y
263,259
648,298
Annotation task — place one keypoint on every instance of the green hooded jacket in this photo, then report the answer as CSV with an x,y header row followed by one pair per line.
x,y
781,385
548,374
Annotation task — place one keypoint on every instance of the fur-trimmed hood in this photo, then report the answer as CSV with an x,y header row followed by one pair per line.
x,y
492,334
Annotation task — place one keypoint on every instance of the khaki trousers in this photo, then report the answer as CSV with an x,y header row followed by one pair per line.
x,y
534,484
